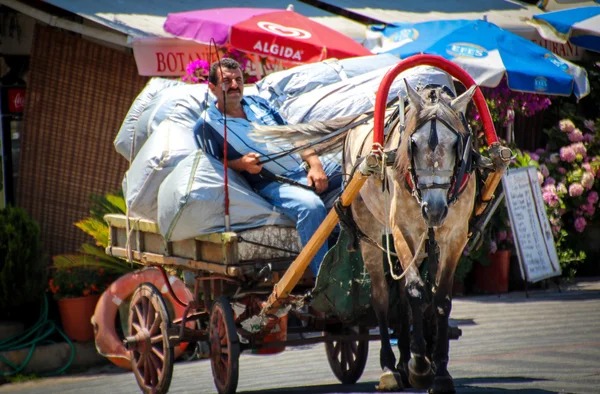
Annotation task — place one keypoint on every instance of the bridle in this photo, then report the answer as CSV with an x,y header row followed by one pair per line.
x,y
462,164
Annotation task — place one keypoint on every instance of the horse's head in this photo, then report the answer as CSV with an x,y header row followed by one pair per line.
x,y
435,146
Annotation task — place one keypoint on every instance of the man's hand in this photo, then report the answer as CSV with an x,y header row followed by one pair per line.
x,y
316,177
248,163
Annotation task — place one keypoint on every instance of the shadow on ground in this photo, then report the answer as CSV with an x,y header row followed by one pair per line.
x,y
466,385
536,296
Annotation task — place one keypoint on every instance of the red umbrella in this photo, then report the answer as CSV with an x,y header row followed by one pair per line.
x,y
284,35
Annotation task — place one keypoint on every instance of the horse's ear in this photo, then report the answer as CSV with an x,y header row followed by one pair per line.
x,y
414,98
460,103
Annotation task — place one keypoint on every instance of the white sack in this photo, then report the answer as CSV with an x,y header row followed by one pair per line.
x,y
125,135
356,96
167,146
284,85
182,103
191,201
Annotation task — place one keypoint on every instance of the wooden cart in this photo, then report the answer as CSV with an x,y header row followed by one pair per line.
x,y
233,274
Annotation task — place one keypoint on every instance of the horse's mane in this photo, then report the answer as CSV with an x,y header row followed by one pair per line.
x,y
416,116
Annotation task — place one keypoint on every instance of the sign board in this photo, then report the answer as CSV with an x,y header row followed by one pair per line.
x,y
169,57
159,56
530,225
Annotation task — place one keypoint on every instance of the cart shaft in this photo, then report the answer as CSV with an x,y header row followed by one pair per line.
x,y
294,273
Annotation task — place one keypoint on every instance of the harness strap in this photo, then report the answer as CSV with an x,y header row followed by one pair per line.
x,y
355,234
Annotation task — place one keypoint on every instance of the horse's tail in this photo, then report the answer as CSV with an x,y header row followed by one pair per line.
x,y
307,133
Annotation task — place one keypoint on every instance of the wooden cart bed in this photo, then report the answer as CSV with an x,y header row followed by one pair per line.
x,y
235,254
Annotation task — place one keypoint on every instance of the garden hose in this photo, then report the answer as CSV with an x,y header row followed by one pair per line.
x,y
36,335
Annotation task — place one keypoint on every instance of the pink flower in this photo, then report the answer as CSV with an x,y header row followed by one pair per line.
x,y
540,178
588,209
551,199
544,171
587,180
575,190
534,156
592,197
567,154
554,158
561,170
550,181
576,135
561,189
501,236
587,137
580,224
589,124
540,151
579,149
566,125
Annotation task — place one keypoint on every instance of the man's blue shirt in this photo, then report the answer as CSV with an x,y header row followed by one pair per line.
x,y
208,132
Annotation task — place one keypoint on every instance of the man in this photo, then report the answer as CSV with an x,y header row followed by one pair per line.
x,y
305,207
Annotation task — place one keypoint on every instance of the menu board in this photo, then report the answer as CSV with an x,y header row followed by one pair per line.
x,y
531,228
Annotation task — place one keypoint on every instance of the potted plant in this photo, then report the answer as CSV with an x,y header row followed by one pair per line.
x,y
76,291
493,262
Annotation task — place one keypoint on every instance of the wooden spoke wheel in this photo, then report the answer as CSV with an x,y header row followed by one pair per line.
x,y
151,356
224,346
348,358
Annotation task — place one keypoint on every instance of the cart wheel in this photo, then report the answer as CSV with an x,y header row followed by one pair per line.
x,y
347,359
151,357
224,346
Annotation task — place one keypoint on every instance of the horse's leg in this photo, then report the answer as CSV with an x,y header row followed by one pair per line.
x,y
390,380
419,366
404,337
443,382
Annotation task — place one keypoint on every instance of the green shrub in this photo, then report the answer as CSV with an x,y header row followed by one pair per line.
x,y
23,271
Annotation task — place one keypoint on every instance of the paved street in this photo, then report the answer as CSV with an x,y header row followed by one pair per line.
x,y
548,343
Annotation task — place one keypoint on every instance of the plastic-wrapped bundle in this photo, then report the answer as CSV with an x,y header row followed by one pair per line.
x,y
284,85
191,201
356,95
180,102
125,134
167,146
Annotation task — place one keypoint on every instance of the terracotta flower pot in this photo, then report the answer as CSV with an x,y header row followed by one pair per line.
x,y
493,278
75,314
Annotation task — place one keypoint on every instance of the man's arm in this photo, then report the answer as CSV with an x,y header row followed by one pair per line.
x,y
316,176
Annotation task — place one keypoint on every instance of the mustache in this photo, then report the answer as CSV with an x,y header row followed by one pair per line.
x,y
233,90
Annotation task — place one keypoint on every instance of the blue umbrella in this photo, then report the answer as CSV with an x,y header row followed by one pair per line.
x,y
486,52
580,25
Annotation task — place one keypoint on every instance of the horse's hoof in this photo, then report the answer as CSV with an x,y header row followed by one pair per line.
x,y
390,381
419,366
420,374
442,385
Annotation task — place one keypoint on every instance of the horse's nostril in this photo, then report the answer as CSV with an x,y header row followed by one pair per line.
x,y
424,211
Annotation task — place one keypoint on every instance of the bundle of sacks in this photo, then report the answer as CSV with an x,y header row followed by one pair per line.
x,y
172,182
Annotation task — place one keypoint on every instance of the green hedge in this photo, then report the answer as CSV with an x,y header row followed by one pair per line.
x,y
23,271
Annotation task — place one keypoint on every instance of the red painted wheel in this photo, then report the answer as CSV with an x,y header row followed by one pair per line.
x,y
151,355
347,359
224,346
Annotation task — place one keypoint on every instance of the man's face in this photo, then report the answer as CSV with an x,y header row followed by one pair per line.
x,y
233,81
